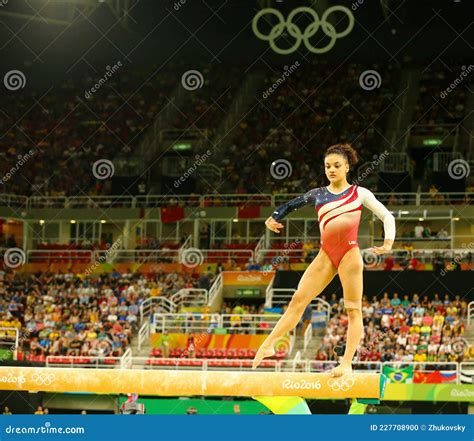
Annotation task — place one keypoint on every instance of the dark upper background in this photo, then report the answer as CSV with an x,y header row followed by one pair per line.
x,y
211,31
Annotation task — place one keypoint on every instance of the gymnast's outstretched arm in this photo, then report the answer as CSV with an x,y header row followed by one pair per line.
x,y
273,222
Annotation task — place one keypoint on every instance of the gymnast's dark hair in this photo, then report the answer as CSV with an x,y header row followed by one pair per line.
x,y
345,150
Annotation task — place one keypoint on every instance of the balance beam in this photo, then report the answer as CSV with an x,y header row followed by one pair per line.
x,y
189,383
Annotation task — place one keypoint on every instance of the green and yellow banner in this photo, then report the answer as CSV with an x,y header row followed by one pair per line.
x,y
429,392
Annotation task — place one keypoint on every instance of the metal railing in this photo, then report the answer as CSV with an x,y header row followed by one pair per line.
x,y
253,323
206,200
162,303
187,297
58,255
400,257
143,335
359,366
258,247
180,323
269,293
205,323
464,371
470,313
216,290
123,362
206,364
308,336
143,256
14,201
279,297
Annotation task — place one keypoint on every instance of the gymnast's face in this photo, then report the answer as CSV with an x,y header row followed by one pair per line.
x,y
336,167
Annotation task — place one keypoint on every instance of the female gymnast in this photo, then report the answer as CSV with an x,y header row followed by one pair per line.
x,y
338,207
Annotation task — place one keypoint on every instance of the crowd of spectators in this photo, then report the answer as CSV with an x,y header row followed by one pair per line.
x,y
76,315
206,106
315,106
408,329
50,134
437,106
310,110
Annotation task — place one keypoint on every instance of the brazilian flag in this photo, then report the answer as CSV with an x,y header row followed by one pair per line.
x,y
394,375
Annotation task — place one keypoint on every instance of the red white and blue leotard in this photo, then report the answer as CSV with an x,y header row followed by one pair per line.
x,y
339,217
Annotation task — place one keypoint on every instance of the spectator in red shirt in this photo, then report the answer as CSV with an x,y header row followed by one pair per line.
x,y
388,263
413,265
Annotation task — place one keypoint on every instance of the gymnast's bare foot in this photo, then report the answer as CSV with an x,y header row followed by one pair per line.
x,y
342,369
263,352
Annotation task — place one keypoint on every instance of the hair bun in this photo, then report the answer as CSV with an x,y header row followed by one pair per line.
x,y
345,150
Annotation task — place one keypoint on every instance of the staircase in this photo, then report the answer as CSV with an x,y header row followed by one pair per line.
x,y
402,113
151,146
243,103
145,349
313,345
469,333
466,139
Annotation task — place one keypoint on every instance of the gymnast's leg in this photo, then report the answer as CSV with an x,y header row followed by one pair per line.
x,y
316,277
350,273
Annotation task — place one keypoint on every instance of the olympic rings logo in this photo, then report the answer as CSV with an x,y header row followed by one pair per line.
x,y
340,384
309,32
43,380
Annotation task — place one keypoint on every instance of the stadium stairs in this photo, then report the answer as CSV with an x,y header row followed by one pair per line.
x,y
145,349
465,137
244,101
469,333
151,146
313,345
407,96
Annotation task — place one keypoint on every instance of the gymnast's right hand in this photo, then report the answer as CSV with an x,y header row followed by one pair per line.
x,y
273,225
